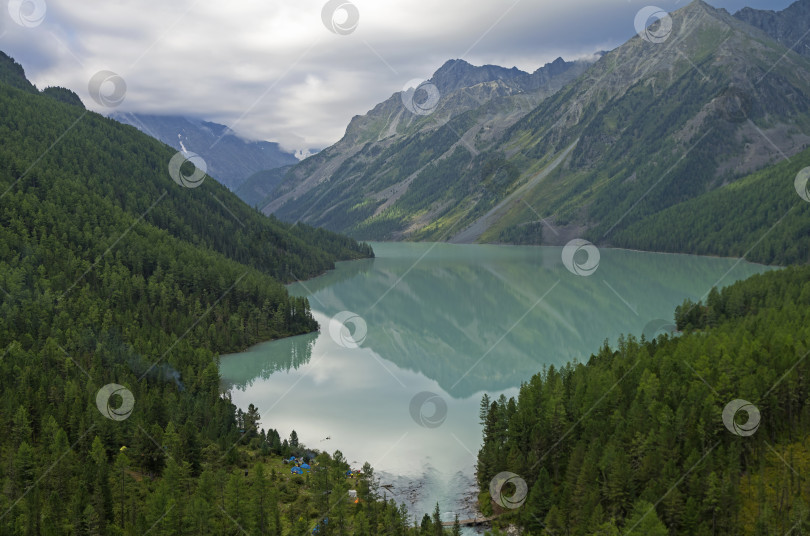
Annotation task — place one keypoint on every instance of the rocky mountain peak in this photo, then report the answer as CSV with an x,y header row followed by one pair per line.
x,y
456,74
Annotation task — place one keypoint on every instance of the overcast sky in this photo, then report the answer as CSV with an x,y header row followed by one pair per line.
x,y
271,69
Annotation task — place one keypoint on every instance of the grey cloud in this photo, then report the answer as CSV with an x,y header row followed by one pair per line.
x,y
273,71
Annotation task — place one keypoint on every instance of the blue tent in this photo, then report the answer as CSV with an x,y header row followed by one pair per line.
x,y
292,458
348,473
296,470
317,528
304,466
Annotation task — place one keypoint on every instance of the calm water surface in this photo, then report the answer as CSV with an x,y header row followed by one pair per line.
x,y
457,321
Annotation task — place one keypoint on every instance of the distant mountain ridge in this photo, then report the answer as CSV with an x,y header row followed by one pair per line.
x,y
230,159
458,74
377,144
788,27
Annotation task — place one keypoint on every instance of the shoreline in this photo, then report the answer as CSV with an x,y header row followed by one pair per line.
x,y
612,248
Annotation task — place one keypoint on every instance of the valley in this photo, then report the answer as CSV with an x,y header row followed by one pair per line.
x,y
569,296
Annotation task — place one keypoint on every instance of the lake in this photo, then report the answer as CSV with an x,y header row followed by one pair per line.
x,y
411,340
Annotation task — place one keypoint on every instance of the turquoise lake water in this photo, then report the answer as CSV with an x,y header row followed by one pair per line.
x,y
431,328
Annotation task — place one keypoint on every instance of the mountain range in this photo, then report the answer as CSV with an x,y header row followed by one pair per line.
x,y
229,158
576,149
382,152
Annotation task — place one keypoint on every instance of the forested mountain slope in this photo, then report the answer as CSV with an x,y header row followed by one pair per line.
x,y
641,439
762,217
119,288
131,172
